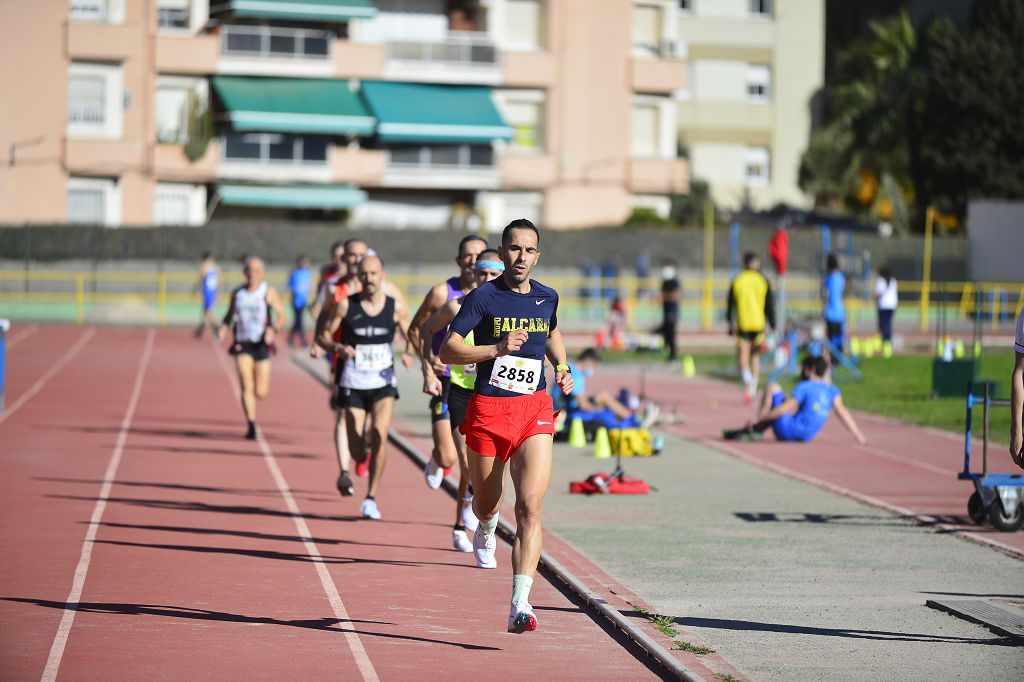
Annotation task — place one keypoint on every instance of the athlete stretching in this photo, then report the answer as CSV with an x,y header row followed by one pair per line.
x,y
255,331
486,268
437,374
515,325
367,321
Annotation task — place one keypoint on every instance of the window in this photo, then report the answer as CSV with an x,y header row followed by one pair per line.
x,y
523,23
759,83
646,130
265,148
756,166
450,157
761,8
93,201
172,102
175,204
277,42
94,100
173,14
105,11
686,6
647,28
524,111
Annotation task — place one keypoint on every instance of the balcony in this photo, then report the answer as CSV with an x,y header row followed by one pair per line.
x,y
659,176
273,157
275,50
363,167
457,166
527,171
102,41
171,164
192,55
459,57
658,76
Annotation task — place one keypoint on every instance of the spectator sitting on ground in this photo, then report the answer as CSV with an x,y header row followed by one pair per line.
x,y
803,414
601,408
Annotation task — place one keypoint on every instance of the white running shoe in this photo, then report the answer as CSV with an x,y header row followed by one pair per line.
x,y
460,541
521,619
369,510
469,519
433,474
484,545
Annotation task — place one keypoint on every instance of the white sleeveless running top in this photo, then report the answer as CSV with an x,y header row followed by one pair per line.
x,y
251,314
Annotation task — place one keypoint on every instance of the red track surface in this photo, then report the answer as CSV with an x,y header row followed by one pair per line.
x,y
198,567
907,469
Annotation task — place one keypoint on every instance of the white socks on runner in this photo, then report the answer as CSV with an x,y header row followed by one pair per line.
x,y
521,585
748,377
489,525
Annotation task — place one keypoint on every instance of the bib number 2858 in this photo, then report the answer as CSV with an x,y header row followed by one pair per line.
x,y
519,375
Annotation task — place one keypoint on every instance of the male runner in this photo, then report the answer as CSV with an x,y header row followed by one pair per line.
x,y
750,307
367,322
487,267
444,453
515,325
209,281
300,280
833,310
255,330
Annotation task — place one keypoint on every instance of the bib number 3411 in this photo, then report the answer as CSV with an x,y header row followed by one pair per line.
x,y
519,375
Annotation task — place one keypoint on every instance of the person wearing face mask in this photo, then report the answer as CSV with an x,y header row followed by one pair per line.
x,y
671,292
600,408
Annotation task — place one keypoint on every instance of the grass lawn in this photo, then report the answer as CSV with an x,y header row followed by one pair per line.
x,y
899,388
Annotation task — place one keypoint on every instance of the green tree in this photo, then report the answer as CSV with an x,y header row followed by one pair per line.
x,y
974,142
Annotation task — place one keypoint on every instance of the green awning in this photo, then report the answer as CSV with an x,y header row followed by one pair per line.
x,y
421,112
292,105
299,10
294,196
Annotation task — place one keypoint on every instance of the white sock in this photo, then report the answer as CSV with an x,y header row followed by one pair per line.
x,y
490,525
521,585
747,377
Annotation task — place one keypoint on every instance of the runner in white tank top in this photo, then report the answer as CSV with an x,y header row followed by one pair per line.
x,y
249,316
367,322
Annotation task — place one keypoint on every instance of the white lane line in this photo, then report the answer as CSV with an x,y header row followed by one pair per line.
x,y
60,640
56,367
362,660
15,339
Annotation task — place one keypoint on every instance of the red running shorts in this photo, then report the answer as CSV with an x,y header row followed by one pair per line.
x,y
497,426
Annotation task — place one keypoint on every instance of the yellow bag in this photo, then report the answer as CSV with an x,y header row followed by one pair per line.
x,y
632,442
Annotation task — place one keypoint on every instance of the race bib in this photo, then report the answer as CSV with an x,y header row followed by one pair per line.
x,y
519,375
373,356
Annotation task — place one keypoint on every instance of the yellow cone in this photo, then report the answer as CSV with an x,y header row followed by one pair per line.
x,y
887,350
577,437
855,345
689,368
958,349
977,349
602,447
869,350
878,343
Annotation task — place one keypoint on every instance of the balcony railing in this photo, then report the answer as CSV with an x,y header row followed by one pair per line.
x,y
275,42
266,149
451,158
460,48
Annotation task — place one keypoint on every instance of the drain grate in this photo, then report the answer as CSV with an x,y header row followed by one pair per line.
x,y
983,612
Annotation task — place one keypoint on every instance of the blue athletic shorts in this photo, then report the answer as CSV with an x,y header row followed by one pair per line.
x,y
784,428
209,299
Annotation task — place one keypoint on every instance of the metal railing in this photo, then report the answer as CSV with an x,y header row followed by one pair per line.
x,y
170,296
275,42
449,158
461,48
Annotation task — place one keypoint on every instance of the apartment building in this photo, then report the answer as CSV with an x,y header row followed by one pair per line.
x,y
411,113
755,67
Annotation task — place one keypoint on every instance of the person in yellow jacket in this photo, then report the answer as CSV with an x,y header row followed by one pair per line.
x,y
750,312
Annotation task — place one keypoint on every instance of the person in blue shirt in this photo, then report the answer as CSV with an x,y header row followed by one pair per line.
x,y
300,285
601,407
514,321
208,284
802,415
832,296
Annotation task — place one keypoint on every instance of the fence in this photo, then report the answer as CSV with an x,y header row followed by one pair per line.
x,y
170,297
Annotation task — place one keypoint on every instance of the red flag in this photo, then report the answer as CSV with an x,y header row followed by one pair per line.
x,y
778,249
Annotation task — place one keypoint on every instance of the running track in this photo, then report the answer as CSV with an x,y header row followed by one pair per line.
x,y
143,538
905,469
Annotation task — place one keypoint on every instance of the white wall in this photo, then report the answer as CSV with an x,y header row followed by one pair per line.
x,y
731,9
719,80
719,164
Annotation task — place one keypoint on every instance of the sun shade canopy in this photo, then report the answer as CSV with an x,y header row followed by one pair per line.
x,y
299,10
301,196
421,112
